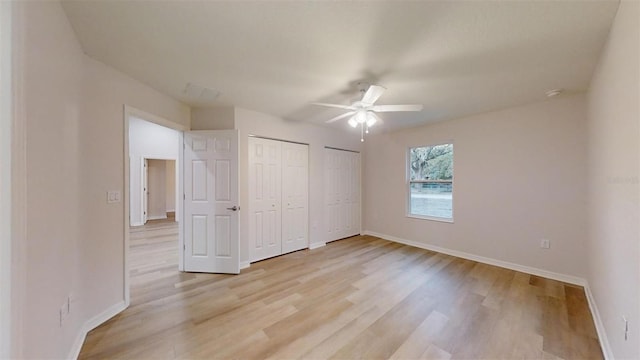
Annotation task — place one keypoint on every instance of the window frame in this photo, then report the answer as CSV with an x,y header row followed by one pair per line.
x,y
407,186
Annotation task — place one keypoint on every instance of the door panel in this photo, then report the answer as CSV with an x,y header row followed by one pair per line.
x,y
211,192
295,197
265,203
342,193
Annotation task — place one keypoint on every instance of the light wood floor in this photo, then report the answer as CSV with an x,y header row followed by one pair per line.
x,y
362,297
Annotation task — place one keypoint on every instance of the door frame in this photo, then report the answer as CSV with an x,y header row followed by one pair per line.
x,y
144,184
130,111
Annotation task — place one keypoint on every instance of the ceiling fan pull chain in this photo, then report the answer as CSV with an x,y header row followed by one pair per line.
x,y
361,132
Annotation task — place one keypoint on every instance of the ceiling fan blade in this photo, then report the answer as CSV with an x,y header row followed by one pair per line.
x,y
340,117
346,107
389,108
372,94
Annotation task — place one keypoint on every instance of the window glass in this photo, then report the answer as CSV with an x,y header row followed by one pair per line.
x,y
431,181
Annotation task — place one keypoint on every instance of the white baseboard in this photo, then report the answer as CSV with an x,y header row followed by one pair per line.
x,y
244,264
93,323
157,217
316,245
485,260
597,320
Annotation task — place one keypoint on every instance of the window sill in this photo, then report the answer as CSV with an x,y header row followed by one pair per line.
x,y
432,218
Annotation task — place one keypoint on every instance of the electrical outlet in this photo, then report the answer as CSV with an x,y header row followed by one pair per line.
x,y
545,243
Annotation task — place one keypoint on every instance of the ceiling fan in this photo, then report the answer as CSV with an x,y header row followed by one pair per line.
x,y
363,112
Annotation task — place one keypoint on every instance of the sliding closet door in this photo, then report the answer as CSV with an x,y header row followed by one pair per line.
x,y
353,194
295,197
265,198
342,193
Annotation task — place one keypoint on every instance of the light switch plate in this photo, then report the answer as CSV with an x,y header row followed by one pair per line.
x,y
113,196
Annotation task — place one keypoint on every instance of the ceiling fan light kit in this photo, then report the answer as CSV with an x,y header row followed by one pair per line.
x,y
363,113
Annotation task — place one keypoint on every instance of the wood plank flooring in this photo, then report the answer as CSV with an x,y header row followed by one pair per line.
x,y
361,297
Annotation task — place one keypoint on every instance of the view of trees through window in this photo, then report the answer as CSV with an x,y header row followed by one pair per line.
x,y
431,181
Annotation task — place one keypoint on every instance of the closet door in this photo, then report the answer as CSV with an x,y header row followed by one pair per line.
x,y
342,193
265,196
353,227
331,196
295,197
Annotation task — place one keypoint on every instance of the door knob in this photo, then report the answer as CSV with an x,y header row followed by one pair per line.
x,y
234,208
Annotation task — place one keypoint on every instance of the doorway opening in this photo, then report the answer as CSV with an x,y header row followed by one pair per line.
x,y
159,190
152,203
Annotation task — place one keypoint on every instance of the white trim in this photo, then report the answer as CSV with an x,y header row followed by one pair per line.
x,y
143,115
485,260
179,216
433,218
316,245
126,191
244,265
6,122
93,323
597,320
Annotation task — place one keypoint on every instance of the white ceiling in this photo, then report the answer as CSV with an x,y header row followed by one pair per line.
x,y
456,58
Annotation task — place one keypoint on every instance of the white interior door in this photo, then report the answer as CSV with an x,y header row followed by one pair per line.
x,y
295,197
342,193
211,227
265,199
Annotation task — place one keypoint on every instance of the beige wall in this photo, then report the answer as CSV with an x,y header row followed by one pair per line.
x,y
170,191
614,190
519,177
218,118
53,78
73,111
6,120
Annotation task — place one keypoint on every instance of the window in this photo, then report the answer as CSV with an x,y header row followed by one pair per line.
x,y
431,182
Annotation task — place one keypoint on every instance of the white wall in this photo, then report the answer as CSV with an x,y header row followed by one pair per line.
x,y
519,177
73,115
218,118
614,185
254,123
151,141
